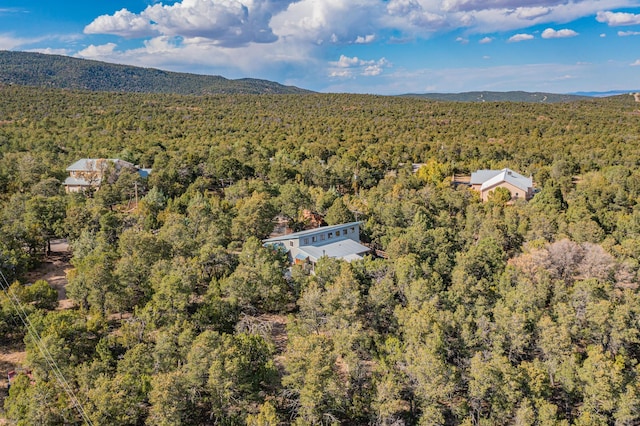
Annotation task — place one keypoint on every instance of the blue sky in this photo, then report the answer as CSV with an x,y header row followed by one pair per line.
x,y
359,46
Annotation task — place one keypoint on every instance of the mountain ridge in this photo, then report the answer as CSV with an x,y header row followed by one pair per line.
x,y
65,72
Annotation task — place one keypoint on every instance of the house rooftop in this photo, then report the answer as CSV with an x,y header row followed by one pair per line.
x,y
342,248
78,181
507,175
310,232
91,164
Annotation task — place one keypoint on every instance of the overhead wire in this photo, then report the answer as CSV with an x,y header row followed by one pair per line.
x,y
37,339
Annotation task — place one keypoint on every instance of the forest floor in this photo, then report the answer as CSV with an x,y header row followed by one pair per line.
x,y
53,268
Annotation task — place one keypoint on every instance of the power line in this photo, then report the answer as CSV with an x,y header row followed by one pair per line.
x,y
53,365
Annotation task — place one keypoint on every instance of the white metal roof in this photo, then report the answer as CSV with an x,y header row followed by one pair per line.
x,y
507,175
481,176
70,181
343,248
309,232
94,164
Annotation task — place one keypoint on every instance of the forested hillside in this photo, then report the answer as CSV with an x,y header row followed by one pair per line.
x,y
64,72
478,314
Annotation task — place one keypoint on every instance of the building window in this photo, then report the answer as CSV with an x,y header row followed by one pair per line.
x,y
314,239
290,243
337,233
306,240
330,235
322,237
353,229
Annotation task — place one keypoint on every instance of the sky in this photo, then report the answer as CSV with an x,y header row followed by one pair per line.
x,y
384,47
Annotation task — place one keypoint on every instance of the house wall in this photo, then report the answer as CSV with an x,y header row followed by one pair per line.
x,y
352,231
74,188
89,176
516,193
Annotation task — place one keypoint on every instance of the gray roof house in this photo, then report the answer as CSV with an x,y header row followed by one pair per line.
x,y
486,181
337,241
88,172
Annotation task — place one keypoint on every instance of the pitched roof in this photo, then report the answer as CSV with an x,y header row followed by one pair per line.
x,y
309,232
509,176
480,176
91,164
71,181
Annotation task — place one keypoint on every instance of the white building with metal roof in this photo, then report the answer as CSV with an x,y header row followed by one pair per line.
x,y
336,241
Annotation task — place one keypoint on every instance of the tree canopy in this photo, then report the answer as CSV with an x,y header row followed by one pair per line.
x,y
465,313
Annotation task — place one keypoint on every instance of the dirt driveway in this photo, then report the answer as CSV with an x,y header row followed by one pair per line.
x,y
52,269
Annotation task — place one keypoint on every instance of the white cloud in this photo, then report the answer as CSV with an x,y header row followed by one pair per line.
x,y
11,42
7,42
603,35
616,19
93,51
234,23
532,12
346,62
329,21
462,40
341,74
520,37
636,63
223,22
122,23
628,33
412,14
270,37
551,33
372,70
50,51
366,39
348,67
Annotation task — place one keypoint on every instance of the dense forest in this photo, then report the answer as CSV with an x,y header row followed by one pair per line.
x,y
477,313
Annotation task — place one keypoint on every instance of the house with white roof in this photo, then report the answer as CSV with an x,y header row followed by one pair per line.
x,y
88,172
307,247
487,181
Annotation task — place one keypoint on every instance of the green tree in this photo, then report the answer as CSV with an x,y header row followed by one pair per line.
x,y
258,281
254,217
316,392
338,213
44,217
41,295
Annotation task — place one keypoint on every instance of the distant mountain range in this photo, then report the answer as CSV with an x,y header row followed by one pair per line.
x,y
537,97
64,72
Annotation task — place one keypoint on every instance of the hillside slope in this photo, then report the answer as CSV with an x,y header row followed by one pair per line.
x,y
40,70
